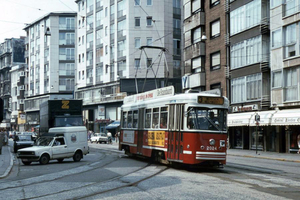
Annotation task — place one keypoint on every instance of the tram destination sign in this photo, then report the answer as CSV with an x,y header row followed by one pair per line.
x,y
211,100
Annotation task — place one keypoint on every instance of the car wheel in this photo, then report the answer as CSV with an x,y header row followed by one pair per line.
x,y
26,162
44,159
77,156
15,150
91,141
60,160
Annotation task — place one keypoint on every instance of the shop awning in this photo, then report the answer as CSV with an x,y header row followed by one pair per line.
x,y
286,117
239,119
5,125
113,125
265,118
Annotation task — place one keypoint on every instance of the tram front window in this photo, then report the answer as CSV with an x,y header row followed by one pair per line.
x,y
207,119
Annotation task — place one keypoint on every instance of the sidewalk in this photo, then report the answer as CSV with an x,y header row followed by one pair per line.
x,y
6,161
294,157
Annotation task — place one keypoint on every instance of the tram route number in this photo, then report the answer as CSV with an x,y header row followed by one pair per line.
x,y
156,138
211,148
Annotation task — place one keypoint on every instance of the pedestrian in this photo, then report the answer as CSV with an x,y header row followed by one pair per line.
x,y
298,141
117,136
109,137
1,141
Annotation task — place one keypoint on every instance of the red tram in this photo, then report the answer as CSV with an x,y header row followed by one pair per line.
x,y
188,128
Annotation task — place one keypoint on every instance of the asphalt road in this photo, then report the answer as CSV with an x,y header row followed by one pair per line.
x,y
107,173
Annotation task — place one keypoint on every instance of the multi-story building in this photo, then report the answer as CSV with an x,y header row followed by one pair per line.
x,y
121,44
285,70
50,55
248,33
205,52
17,74
11,55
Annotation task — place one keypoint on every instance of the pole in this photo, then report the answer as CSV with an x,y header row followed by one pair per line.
x,y
256,136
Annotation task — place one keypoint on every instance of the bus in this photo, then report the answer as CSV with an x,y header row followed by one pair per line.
x,y
188,128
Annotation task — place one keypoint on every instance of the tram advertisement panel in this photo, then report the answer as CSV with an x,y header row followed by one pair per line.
x,y
128,136
156,138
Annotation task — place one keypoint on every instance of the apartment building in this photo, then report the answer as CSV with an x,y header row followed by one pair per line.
x,y
205,50
124,47
285,62
11,56
50,56
249,36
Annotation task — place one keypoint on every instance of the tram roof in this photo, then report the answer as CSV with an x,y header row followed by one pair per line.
x,y
141,100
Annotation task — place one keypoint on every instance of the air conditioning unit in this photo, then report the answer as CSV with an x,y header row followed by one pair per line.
x,y
21,101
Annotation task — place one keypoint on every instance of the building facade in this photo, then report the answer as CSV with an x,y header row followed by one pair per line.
x,y
50,56
121,45
11,56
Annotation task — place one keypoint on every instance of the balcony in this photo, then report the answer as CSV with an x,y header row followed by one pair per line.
x,y
89,80
176,11
194,50
195,20
265,64
121,13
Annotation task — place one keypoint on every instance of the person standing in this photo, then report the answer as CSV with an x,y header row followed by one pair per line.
x,y
109,137
1,141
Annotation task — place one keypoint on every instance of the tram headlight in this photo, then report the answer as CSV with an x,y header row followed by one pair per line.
x,y
212,142
202,147
188,146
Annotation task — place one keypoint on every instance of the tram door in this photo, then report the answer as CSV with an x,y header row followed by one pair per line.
x,y
175,135
140,130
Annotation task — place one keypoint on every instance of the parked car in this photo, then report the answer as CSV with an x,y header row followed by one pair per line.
x,y
22,141
99,137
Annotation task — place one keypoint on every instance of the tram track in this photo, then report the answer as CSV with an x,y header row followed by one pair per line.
x,y
57,176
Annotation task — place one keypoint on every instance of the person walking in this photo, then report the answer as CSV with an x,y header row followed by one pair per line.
x,y
1,141
109,137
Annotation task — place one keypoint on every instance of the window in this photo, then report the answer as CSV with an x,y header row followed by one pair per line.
x,y
79,60
137,42
105,30
149,21
246,88
148,118
215,61
196,6
82,75
215,29
246,52
149,2
214,3
106,49
215,86
137,63
82,56
276,79
196,35
290,7
137,2
124,122
137,22
163,117
276,38
149,41
130,120
106,11
197,64
290,40
149,62
135,118
155,119
275,3
245,17
290,84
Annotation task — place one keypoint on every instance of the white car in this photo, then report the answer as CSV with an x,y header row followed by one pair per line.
x,y
99,137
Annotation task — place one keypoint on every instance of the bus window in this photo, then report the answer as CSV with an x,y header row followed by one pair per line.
x,y
155,118
135,118
129,121
124,123
163,117
148,118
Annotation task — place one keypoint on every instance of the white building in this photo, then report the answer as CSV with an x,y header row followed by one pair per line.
x,y
110,34
50,55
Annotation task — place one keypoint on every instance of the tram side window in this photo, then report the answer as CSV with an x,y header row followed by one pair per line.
x,y
124,123
155,118
129,120
163,117
135,118
148,118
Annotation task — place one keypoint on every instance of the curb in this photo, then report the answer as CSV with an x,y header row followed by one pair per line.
x,y
269,158
8,170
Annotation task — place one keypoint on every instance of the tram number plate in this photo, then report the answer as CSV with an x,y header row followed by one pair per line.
x,y
211,148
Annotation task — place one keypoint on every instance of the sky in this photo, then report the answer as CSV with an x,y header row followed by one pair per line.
x,y
15,14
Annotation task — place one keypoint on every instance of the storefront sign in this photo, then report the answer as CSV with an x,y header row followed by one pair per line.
x,y
102,121
101,110
244,108
128,136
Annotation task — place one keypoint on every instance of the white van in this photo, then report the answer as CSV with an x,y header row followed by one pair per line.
x,y
59,143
